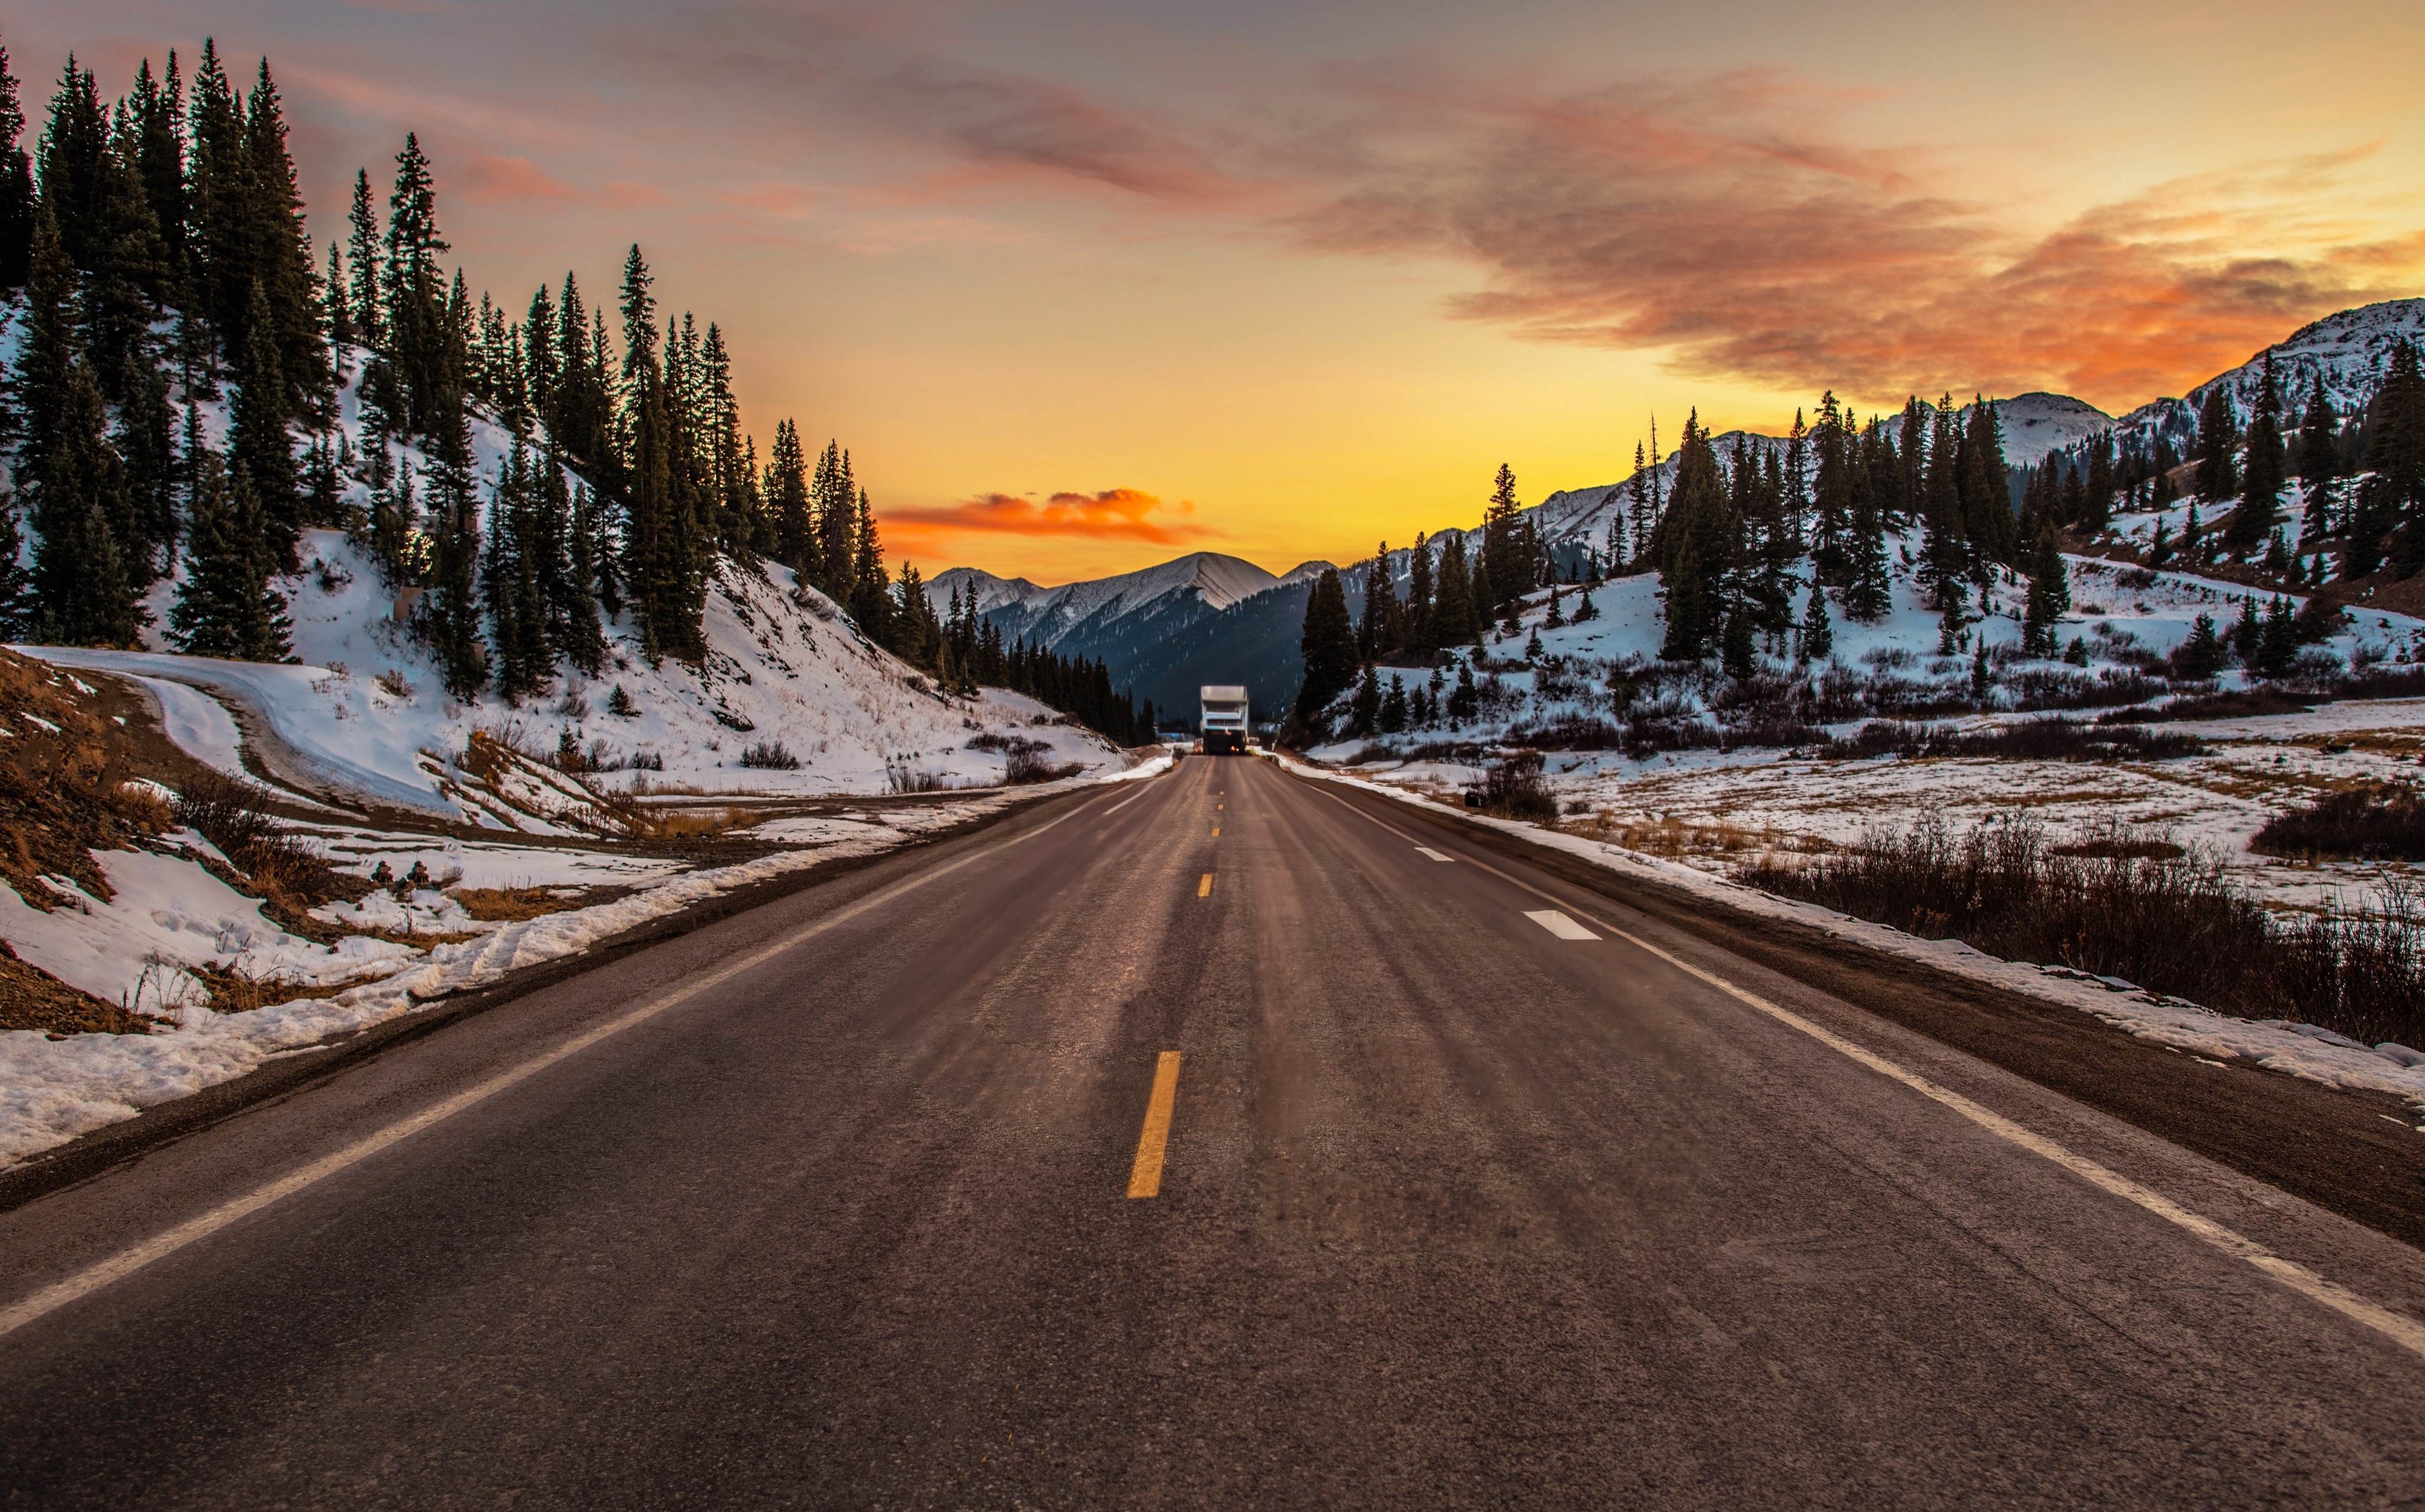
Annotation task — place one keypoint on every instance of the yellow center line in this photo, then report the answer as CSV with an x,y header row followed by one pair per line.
x,y
1217,831
1204,889
1144,1177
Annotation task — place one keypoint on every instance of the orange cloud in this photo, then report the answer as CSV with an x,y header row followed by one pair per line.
x,y
1114,514
1724,221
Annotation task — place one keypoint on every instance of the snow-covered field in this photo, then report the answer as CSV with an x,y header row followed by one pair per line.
x,y
1710,805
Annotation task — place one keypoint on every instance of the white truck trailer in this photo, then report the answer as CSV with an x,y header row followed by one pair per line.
x,y
1223,723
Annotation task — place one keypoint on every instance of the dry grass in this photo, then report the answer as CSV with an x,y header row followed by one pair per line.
x,y
511,905
2176,925
1666,836
31,998
688,825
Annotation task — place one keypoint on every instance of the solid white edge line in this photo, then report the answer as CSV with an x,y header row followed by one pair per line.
x,y
2400,1329
127,1261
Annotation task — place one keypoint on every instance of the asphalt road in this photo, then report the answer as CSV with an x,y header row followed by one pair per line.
x,y
1452,1210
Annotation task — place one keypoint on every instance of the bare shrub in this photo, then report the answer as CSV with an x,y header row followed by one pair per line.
x,y
2171,924
769,755
395,684
290,876
900,779
1026,766
2048,739
2379,822
1512,788
1572,731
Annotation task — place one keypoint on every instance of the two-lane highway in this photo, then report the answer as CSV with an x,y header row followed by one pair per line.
x,y
1223,1139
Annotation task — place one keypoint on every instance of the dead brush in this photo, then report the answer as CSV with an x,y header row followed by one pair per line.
x,y
2177,925
1673,839
512,904
690,824
289,875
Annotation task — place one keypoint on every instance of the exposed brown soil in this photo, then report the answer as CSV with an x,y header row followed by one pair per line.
x,y
31,998
511,905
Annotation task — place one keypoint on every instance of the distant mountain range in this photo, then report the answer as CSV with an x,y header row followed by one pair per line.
x,y
1207,618
1144,624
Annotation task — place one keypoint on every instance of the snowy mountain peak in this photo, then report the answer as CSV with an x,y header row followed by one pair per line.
x,y
2349,351
2036,422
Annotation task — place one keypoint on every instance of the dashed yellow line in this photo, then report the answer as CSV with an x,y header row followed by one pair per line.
x,y
1204,889
1154,1140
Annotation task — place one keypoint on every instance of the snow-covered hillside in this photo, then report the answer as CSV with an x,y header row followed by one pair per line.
x,y
1112,619
788,683
2349,350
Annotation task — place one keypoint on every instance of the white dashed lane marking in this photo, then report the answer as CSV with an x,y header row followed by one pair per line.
x,y
1433,854
1560,925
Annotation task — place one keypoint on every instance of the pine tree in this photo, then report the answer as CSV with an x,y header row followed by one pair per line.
x,y
415,323
2098,489
2394,498
1987,521
366,303
1818,635
263,446
1736,650
49,351
1420,638
125,269
1328,644
790,502
1503,566
565,572
2260,498
1696,540
1365,713
2050,597
2319,464
82,594
2319,438
281,256
2201,656
16,187
2218,436
448,617
1832,507
72,159
1456,618
225,607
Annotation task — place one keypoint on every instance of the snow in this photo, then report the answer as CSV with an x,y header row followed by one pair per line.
x,y
168,912
2298,1050
199,725
1199,583
2350,351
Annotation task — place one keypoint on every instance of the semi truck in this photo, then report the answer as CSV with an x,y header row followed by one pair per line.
x,y
1223,723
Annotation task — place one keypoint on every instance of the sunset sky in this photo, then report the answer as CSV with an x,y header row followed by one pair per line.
x,y
1082,285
